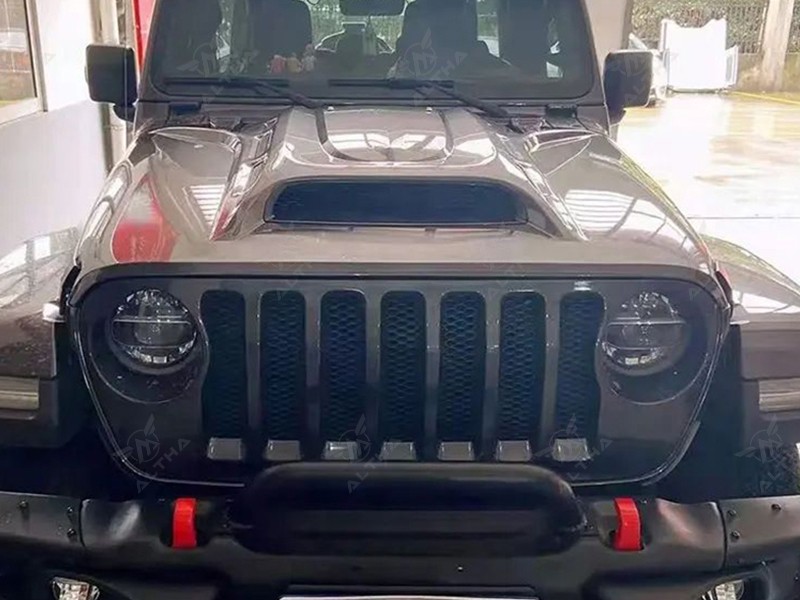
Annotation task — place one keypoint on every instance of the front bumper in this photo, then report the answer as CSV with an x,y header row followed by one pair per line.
x,y
310,545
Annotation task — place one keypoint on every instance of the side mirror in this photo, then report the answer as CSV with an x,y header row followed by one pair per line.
x,y
111,74
627,80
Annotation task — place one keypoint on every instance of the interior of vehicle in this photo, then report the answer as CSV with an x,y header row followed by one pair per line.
x,y
375,39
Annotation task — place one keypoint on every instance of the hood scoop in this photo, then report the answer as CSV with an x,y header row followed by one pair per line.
x,y
396,202
386,135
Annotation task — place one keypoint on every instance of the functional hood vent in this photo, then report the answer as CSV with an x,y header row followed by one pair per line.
x,y
397,203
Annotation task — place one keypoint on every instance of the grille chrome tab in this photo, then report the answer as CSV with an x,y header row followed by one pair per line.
x,y
225,450
456,452
398,452
513,451
283,451
341,451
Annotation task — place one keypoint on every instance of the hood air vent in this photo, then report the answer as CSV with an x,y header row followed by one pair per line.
x,y
398,203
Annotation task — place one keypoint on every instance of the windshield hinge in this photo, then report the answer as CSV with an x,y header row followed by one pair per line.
x,y
561,114
183,108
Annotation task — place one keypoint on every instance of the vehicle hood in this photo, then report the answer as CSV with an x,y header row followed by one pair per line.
x,y
198,194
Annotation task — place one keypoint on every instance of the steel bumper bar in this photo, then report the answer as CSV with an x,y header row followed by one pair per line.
x,y
683,548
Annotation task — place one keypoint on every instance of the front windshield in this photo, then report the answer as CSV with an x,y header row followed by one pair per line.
x,y
516,49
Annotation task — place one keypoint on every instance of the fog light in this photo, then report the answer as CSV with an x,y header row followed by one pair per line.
x,y
732,590
72,589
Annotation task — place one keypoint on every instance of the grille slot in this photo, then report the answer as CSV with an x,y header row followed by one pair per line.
x,y
343,365
522,355
461,371
401,409
283,367
577,392
225,387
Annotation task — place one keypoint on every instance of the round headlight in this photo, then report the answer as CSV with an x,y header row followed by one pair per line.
x,y
645,337
153,329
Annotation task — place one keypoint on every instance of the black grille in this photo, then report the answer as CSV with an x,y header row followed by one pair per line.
x,y
324,377
283,366
462,368
522,355
578,395
225,388
343,365
402,366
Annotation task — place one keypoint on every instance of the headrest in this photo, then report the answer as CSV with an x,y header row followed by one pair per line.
x,y
279,27
450,23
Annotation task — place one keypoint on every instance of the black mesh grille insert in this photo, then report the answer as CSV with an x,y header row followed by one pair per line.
x,y
462,367
283,365
577,393
402,366
225,386
343,364
522,352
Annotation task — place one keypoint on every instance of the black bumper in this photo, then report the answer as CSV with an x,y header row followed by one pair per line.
x,y
322,543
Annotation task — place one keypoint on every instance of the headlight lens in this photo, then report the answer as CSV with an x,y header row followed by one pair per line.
x,y
153,329
646,336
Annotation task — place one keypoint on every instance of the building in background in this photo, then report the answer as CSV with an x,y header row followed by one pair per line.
x,y
17,86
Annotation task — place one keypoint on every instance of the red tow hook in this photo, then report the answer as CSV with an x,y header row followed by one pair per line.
x,y
628,536
184,527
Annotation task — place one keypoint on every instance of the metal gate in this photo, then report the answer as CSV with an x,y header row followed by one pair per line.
x,y
745,19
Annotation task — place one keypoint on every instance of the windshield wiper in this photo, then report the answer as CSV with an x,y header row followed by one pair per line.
x,y
444,86
276,86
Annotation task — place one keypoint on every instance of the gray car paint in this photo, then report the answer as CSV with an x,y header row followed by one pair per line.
x,y
605,209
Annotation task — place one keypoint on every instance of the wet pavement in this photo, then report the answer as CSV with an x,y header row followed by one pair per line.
x,y
732,165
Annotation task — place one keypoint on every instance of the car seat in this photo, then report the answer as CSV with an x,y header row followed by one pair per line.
x,y
439,39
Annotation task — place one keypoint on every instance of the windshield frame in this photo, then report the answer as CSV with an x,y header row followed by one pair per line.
x,y
585,90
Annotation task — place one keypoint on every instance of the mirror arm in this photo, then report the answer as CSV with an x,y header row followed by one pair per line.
x,y
126,113
616,116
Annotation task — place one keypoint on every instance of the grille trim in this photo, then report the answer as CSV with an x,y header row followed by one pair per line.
x,y
313,443
491,392
433,353
647,437
552,325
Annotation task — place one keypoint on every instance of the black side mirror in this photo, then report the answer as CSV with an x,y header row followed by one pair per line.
x,y
111,74
627,81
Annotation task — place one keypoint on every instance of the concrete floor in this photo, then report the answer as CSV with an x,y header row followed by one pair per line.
x,y
732,164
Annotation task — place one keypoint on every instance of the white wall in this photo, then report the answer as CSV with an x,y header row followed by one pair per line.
x,y
65,29
52,163
609,26
51,170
